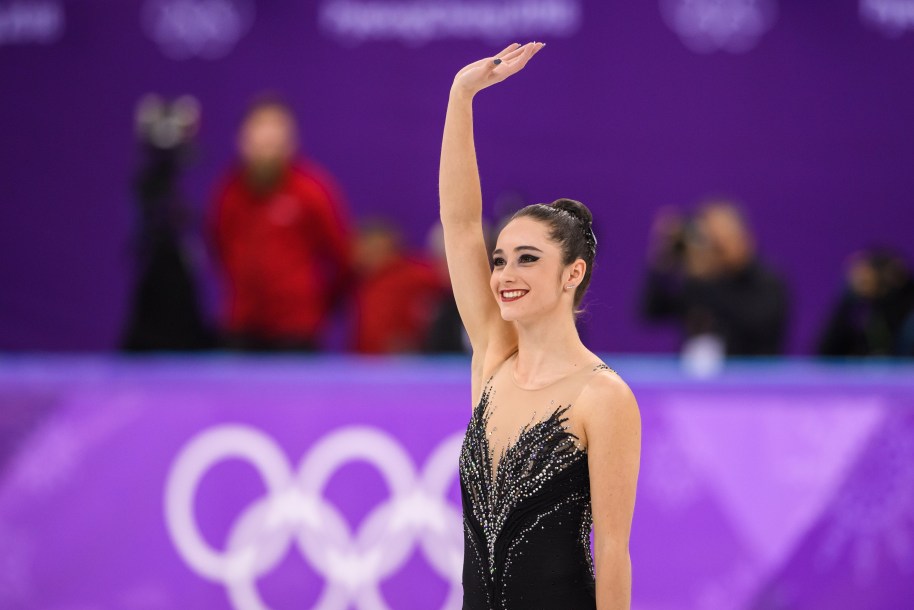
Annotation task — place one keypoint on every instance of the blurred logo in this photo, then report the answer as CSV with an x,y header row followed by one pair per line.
x,y
420,21
706,26
294,511
35,22
205,29
892,17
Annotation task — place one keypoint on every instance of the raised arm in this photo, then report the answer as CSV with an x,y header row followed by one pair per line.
x,y
461,205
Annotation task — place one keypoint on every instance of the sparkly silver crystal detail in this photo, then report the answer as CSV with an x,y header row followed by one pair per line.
x,y
525,465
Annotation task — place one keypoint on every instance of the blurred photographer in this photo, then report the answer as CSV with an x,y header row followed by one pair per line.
x,y
875,314
705,276
164,309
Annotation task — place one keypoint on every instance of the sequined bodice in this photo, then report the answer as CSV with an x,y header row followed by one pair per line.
x,y
526,504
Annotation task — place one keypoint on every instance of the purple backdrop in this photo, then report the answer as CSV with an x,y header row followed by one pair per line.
x,y
811,128
331,484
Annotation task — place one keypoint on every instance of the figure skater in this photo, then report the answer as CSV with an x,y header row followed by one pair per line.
x,y
553,444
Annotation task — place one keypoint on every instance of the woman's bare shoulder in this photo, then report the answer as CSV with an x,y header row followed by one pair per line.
x,y
607,396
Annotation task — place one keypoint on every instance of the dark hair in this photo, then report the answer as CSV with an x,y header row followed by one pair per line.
x,y
571,225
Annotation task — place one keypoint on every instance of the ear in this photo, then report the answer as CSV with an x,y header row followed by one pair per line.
x,y
575,272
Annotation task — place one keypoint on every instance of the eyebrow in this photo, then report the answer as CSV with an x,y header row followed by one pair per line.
x,y
517,249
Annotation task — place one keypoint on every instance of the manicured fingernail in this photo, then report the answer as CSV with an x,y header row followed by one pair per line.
x,y
497,61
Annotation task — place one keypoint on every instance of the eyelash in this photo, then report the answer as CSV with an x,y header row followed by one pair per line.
x,y
524,258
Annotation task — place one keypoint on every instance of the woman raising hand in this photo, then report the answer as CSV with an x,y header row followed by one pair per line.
x,y
553,444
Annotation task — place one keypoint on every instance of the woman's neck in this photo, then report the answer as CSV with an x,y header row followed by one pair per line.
x,y
548,349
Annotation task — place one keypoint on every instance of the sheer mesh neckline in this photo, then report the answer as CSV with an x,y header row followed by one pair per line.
x,y
551,419
510,364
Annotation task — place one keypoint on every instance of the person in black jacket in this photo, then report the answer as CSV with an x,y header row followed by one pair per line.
x,y
875,314
704,274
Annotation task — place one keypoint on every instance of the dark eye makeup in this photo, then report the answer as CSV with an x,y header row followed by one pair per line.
x,y
498,261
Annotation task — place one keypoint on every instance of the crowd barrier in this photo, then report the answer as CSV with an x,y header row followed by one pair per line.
x,y
330,483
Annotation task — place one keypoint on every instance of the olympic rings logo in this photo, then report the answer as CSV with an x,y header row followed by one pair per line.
x,y
294,510
208,29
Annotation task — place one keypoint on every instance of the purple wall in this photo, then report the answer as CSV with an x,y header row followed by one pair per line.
x,y
812,129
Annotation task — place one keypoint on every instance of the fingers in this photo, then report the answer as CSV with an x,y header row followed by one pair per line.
x,y
516,60
523,54
508,51
517,52
506,55
509,48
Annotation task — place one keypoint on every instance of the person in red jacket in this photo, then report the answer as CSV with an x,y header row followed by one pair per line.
x,y
395,294
282,238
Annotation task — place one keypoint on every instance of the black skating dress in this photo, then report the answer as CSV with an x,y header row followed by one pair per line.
x,y
526,498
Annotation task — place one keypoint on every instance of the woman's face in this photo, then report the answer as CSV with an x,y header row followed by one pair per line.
x,y
527,270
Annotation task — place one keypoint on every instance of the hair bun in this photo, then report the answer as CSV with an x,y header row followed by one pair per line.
x,y
576,209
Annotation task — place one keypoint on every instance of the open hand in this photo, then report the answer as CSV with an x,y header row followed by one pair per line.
x,y
486,72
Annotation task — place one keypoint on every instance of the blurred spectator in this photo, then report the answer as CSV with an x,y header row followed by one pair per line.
x,y
282,237
875,315
704,274
395,295
446,332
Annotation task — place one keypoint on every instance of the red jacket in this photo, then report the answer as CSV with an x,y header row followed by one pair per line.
x,y
394,307
286,254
